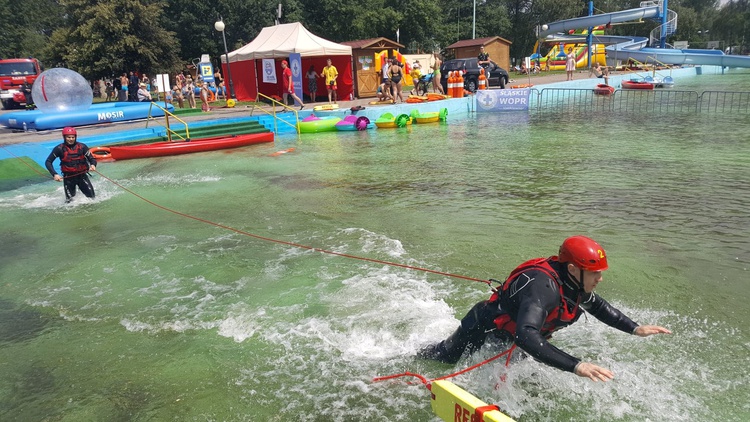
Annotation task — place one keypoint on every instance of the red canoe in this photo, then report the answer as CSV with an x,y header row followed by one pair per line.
x,y
604,89
160,149
637,85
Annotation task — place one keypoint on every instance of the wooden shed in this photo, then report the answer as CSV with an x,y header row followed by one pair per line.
x,y
497,47
366,76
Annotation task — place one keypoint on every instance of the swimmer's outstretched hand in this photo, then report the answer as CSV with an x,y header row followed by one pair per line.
x,y
593,372
647,330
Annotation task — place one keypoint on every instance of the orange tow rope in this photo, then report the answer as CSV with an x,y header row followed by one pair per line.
x,y
268,239
508,353
423,379
283,242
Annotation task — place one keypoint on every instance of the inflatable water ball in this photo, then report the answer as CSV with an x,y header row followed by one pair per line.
x,y
231,103
61,90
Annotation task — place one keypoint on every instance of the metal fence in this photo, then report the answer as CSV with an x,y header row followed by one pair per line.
x,y
725,102
662,101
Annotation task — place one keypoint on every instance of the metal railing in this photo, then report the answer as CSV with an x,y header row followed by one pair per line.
x,y
262,107
663,30
167,113
627,101
556,99
650,68
725,102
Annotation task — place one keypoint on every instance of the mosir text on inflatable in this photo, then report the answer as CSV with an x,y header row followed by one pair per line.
x,y
109,115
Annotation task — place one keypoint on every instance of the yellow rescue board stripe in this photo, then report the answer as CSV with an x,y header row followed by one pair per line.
x,y
326,107
453,404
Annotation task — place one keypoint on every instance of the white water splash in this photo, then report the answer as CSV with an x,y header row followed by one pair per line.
x,y
170,180
54,198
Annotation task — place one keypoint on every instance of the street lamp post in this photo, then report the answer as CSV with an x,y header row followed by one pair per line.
x,y
219,26
474,23
704,36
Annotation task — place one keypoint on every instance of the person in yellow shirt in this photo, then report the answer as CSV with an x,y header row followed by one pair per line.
x,y
331,74
416,73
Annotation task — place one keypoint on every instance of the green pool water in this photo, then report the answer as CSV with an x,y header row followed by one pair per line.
x,y
118,310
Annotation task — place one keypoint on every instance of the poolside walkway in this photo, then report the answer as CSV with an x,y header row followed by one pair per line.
x,y
14,136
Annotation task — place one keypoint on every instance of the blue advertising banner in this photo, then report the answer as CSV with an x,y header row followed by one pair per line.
x,y
295,63
503,99
206,72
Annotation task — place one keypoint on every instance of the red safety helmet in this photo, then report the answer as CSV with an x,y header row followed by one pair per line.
x,y
69,131
584,253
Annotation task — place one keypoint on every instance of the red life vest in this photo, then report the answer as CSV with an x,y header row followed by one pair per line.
x,y
559,318
73,160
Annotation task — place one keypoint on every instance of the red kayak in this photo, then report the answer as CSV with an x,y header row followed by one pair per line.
x,y
160,149
604,89
637,85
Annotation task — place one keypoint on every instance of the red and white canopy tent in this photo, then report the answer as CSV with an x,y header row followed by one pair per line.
x,y
277,42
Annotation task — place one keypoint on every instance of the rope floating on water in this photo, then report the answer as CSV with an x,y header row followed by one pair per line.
x,y
283,242
267,239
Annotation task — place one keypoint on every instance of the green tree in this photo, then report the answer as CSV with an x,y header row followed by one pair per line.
x,y
8,42
734,28
698,5
493,19
101,38
26,26
340,20
457,21
526,15
192,22
418,26
106,38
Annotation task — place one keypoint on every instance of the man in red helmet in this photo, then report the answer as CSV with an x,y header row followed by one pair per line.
x,y
75,162
539,297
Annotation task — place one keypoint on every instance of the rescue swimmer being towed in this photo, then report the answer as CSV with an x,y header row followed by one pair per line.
x,y
75,162
539,297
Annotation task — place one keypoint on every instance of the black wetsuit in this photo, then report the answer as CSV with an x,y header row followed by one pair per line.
x,y
529,300
74,163
483,57
26,89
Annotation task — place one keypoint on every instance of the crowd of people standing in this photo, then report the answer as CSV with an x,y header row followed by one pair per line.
x,y
392,75
138,87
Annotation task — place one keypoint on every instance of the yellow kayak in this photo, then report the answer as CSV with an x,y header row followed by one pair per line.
x,y
326,107
388,120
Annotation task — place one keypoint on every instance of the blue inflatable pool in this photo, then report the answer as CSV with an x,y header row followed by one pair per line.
x,y
97,113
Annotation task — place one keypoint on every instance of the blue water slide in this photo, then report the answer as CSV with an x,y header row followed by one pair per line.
x,y
623,48
680,57
602,19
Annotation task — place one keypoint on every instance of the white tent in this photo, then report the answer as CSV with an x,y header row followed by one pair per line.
x,y
281,40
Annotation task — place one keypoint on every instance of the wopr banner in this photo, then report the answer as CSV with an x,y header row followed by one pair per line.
x,y
503,99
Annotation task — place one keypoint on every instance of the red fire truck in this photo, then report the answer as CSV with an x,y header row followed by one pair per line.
x,y
13,73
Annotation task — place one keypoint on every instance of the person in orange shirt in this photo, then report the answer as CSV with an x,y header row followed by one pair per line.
x,y
288,84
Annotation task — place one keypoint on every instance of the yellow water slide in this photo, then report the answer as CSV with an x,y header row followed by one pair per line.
x,y
556,55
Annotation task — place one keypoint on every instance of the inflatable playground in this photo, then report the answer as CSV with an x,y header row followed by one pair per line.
x,y
407,61
64,98
596,46
552,55
96,113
